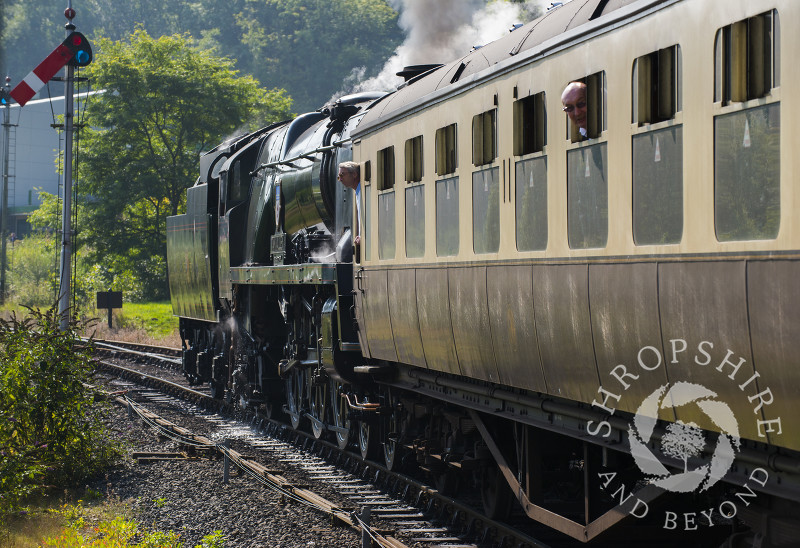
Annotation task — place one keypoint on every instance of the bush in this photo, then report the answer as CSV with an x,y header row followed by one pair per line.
x,y
51,435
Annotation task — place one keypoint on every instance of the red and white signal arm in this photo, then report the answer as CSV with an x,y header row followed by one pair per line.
x,y
75,49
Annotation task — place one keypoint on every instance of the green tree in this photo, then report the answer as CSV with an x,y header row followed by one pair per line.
x,y
32,273
165,101
310,46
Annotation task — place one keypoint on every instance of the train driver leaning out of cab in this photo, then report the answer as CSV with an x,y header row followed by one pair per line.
x,y
574,101
350,176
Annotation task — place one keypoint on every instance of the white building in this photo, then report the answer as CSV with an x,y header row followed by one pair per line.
x,y
36,150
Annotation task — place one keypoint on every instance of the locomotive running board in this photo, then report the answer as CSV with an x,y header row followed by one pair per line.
x,y
583,533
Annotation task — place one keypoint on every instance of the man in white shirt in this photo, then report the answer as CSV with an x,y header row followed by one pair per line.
x,y
350,176
574,101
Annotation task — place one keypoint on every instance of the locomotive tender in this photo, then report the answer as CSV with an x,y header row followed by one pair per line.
x,y
551,316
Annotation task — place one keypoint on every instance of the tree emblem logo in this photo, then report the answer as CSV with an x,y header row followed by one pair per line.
x,y
684,440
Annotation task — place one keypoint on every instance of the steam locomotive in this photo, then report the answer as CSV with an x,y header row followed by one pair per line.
x,y
588,328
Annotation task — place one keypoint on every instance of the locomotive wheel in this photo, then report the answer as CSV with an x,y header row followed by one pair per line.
x,y
447,482
495,493
392,427
272,407
319,408
340,412
366,442
217,389
294,397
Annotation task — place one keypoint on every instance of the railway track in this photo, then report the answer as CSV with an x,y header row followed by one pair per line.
x,y
415,511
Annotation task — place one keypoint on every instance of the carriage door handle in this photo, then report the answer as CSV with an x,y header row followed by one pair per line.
x,y
359,279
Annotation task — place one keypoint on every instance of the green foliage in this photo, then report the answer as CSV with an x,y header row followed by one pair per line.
x,y
85,529
307,47
311,46
165,102
50,429
32,270
214,540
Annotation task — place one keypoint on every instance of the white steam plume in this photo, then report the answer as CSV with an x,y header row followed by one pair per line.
x,y
440,31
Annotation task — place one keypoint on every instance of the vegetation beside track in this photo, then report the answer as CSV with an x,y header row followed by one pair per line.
x,y
148,323
51,431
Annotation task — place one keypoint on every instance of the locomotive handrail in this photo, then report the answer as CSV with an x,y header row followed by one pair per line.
x,y
305,156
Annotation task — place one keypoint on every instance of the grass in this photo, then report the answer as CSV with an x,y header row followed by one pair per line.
x,y
149,323
146,323
109,523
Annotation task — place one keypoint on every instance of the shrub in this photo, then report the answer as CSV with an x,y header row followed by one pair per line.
x,y
51,434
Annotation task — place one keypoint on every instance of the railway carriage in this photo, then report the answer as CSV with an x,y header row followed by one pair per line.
x,y
531,309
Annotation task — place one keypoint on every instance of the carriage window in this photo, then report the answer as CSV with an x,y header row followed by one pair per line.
x,y
658,186
447,217
367,175
386,230
529,125
747,174
386,168
531,204
484,137
415,221
486,210
656,86
414,159
595,108
367,221
446,161
587,197
746,56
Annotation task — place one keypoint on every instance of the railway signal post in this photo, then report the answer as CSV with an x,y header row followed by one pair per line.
x,y
5,103
74,51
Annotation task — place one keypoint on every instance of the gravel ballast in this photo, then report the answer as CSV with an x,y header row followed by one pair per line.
x,y
189,497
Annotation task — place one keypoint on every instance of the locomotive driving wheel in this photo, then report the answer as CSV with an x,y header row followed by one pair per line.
x,y
392,429
294,397
365,441
340,412
319,406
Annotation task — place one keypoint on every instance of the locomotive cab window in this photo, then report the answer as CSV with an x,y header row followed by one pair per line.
x,y
484,137
589,118
446,160
747,136
657,153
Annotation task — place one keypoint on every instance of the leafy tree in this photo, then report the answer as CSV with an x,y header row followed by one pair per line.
x,y
310,46
165,101
33,269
